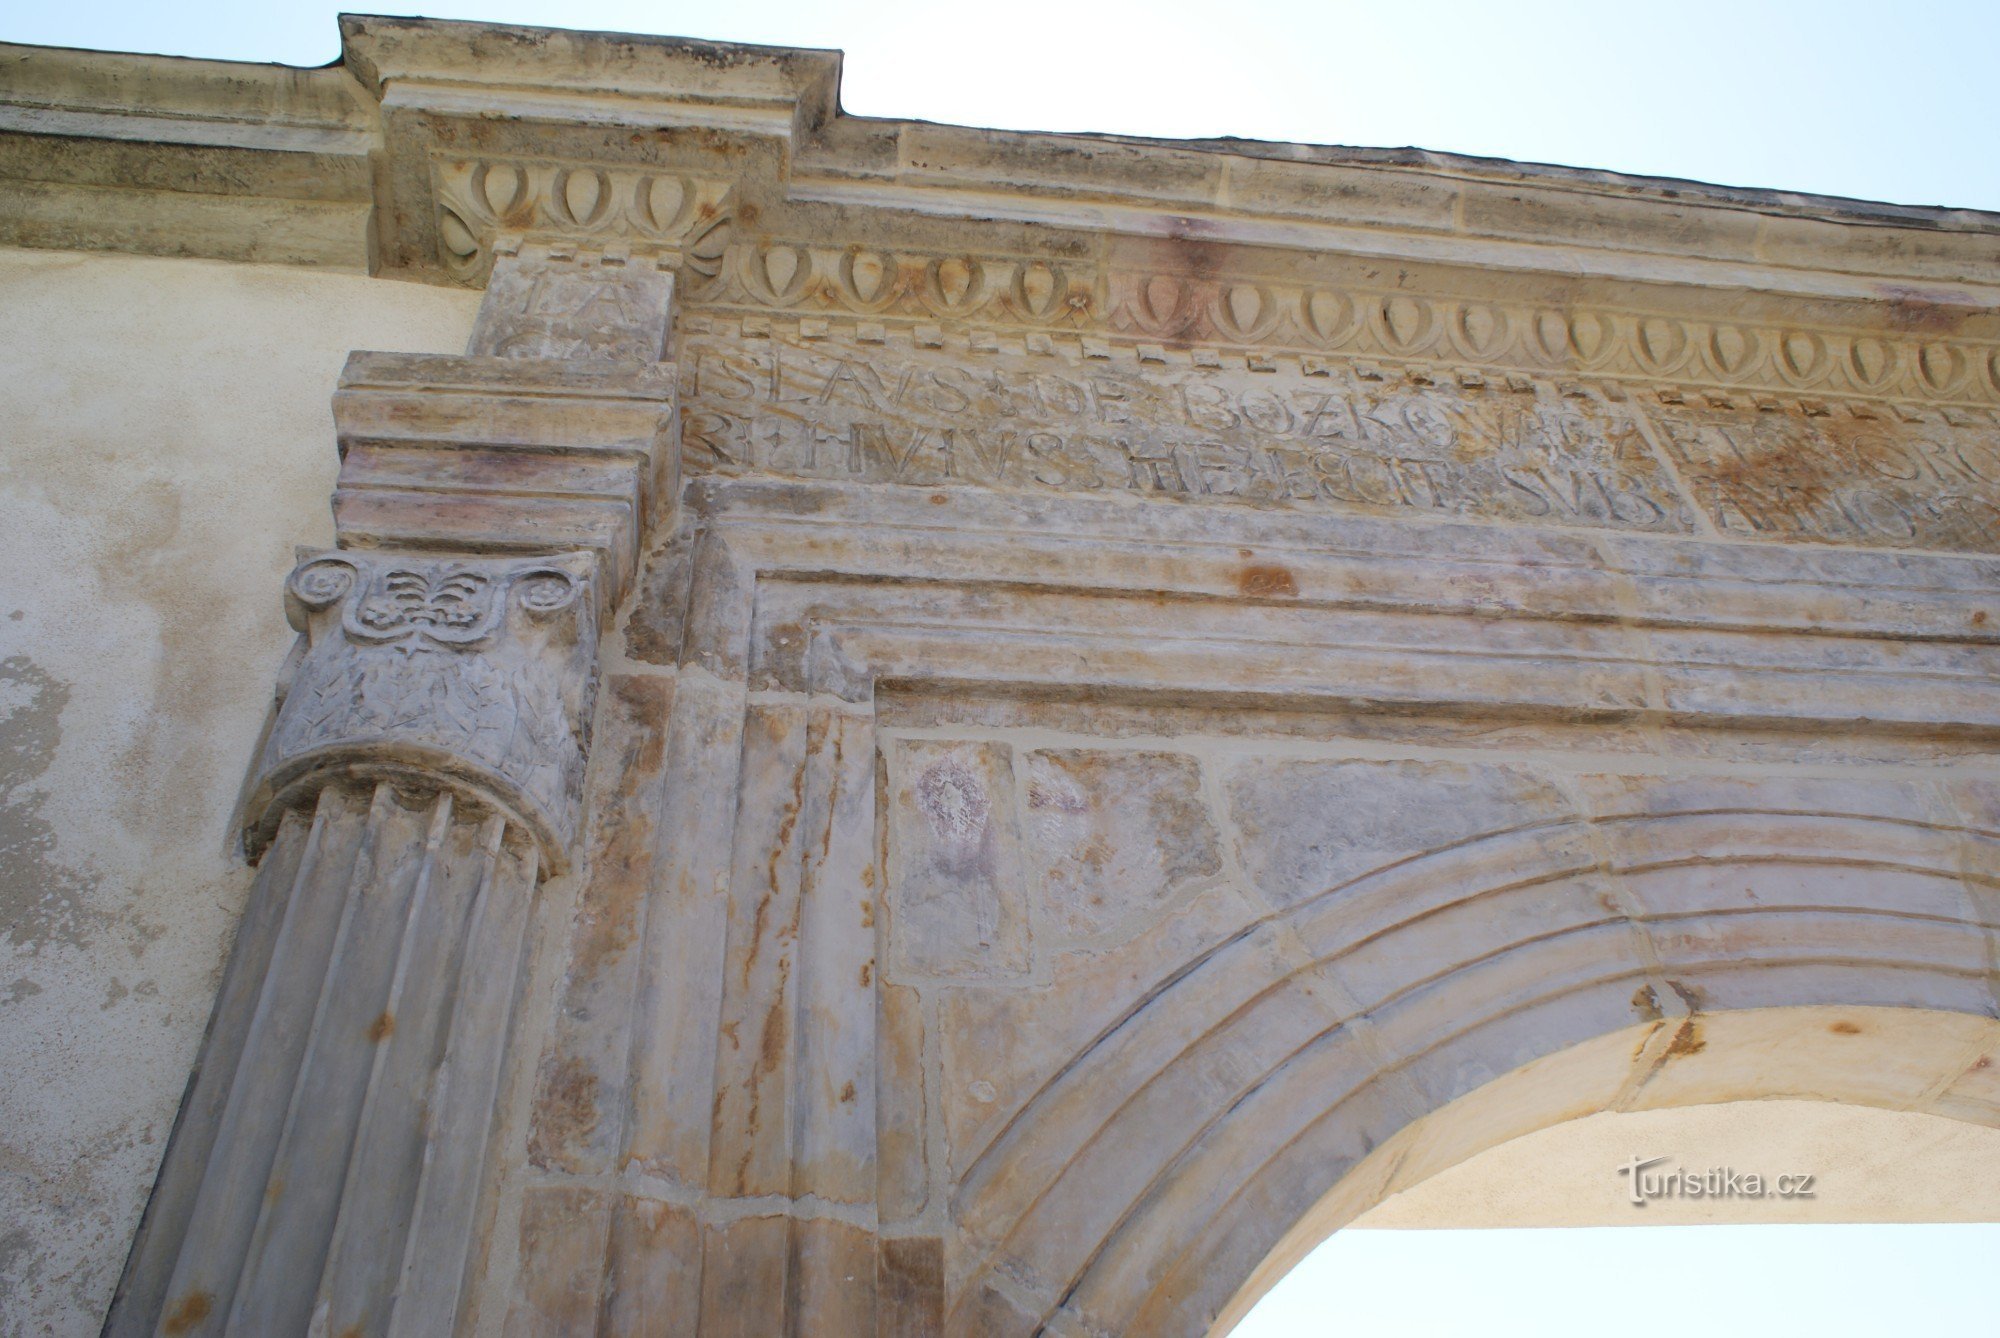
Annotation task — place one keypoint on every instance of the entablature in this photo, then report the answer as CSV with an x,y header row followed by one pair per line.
x,y
458,134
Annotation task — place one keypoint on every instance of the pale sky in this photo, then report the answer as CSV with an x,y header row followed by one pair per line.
x,y
1877,101
1881,101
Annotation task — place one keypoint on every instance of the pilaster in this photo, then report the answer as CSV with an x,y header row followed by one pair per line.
x,y
423,773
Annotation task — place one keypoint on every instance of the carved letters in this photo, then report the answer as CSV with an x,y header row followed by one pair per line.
x,y
1900,477
604,309
478,670
1332,438
1340,436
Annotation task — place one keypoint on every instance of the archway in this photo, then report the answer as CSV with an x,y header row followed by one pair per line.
x,y
1704,942
1829,1054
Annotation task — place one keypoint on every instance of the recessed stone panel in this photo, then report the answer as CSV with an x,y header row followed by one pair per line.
x,y
1307,825
954,861
1114,835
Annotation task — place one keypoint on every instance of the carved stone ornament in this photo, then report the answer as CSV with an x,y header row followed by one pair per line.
x,y
599,308
473,674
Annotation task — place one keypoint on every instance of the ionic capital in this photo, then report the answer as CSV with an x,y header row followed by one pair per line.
x,y
469,674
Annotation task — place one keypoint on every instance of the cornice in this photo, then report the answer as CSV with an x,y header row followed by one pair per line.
x,y
165,156
1150,308
434,144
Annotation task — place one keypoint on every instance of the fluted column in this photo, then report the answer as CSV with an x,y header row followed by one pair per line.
x,y
426,763
424,771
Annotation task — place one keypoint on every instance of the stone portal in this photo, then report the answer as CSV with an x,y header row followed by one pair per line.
x,y
937,731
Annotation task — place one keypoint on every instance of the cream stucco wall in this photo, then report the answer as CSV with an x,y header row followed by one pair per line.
x,y
167,442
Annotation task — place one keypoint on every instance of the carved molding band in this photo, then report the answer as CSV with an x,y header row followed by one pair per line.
x,y
470,674
483,199
1253,312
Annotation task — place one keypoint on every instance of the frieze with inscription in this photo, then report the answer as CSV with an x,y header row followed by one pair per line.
x,y
1327,435
1883,474
1337,434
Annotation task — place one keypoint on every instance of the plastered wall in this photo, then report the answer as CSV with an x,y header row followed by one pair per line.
x,y
166,443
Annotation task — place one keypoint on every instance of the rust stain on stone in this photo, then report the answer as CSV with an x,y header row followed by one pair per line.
x,y
1687,1040
383,1027
771,1042
1916,310
1647,1004
1844,1029
1266,580
192,1310
774,879
771,1048
566,1111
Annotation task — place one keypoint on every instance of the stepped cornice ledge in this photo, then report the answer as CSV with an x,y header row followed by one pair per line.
x,y
430,146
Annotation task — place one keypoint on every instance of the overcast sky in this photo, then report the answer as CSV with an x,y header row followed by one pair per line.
x,y
1878,101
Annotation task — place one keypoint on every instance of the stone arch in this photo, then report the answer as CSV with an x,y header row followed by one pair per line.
x,y
1701,945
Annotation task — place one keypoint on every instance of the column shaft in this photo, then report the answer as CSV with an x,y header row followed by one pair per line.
x,y
350,1074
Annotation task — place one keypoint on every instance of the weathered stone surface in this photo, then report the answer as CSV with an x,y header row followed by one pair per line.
x,y
1897,476
1309,826
436,721
607,309
653,1283
151,500
500,455
345,1106
1185,689
477,670
1114,837
1000,1046
556,431
1312,434
954,862
564,1233
580,1081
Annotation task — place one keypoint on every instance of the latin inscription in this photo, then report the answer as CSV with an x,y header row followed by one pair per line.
x,y
543,308
1334,437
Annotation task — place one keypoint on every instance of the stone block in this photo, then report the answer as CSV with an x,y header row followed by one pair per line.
x,y
954,862
1306,827
1114,837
